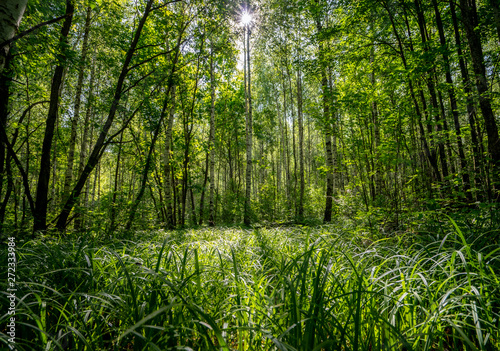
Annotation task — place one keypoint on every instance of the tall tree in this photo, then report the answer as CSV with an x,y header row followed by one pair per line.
x,y
100,143
471,24
249,127
68,178
40,214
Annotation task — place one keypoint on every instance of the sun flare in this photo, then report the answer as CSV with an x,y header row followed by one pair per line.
x,y
246,18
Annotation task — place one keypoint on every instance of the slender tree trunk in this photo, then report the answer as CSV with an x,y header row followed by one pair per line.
x,y
376,135
453,102
205,181
328,130
432,92
84,145
286,157
249,127
100,143
193,206
211,147
5,83
301,147
115,187
430,154
471,24
40,215
68,178
471,111
156,133
149,159
495,7
170,215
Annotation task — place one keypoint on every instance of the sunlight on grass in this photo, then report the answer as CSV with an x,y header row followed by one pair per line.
x,y
265,289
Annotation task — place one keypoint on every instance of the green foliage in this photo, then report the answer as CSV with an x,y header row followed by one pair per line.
x,y
290,288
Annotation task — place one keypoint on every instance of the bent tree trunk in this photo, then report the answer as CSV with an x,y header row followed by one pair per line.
x,y
97,150
164,112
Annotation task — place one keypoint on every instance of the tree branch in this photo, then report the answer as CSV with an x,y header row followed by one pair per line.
x,y
26,32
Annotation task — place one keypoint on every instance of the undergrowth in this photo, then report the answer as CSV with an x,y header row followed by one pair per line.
x,y
288,288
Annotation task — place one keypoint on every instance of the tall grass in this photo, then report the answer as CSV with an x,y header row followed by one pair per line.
x,y
294,288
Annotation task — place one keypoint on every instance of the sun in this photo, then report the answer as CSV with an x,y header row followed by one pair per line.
x,y
246,18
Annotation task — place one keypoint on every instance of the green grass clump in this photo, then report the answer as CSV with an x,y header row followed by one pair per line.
x,y
290,288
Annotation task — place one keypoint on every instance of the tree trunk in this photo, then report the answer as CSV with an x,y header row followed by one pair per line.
x,y
169,202
68,178
301,147
432,91
471,23
495,7
211,148
430,154
83,147
149,157
471,111
453,102
156,133
116,186
100,143
249,127
328,130
5,83
40,215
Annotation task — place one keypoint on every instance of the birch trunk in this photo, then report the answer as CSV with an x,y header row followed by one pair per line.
x,y
248,93
68,177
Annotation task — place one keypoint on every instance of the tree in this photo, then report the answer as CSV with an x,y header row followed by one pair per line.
x,y
40,214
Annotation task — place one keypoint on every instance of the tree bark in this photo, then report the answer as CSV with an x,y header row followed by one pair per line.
x,y
68,177
169,202
471,23
116,186
40,214
432,91
327,128
96,152
301,147
453,102
211,148
249,132
147,166
84,145
471,111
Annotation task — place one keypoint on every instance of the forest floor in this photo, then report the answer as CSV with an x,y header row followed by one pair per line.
x,y
432,286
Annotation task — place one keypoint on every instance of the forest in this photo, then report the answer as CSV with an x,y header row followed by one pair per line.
x,y
292,175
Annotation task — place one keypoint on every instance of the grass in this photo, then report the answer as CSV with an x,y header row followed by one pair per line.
x,y
293,288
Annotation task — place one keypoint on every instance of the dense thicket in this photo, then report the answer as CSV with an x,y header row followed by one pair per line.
x,y
116,114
